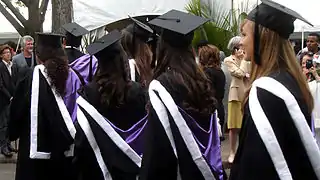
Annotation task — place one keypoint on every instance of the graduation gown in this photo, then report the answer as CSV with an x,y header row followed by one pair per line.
x,y
85,67
179,145
108,143
73,84
276,141
40,119
73,54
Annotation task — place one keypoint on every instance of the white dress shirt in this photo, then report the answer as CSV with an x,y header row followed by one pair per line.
x,y
8,65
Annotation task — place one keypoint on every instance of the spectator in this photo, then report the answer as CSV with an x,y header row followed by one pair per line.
x,y
7,87
26,58
236,92
13,47
313,42
210,63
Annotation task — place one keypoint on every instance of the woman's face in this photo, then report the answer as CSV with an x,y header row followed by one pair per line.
x,y
247,39
304,61
239,53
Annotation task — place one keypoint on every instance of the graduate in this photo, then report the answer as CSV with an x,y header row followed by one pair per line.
x,y
74,33
111,117
134,42
276,141
82,64
39,117
182,139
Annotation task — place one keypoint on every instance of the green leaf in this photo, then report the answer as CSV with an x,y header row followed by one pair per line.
x,y
224,23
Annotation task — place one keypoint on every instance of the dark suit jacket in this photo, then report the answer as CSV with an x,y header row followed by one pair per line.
x,y
7,84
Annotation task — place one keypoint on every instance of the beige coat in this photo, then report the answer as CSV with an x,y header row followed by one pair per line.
x,y
237,88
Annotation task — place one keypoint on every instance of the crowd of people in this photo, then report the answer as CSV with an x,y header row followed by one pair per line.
x,y
144,104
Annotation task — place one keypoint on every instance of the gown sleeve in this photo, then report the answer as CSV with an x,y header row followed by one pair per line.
x,y
84,161
20,104
159,161
253,160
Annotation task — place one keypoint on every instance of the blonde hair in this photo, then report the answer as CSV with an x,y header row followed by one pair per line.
x,y
276,53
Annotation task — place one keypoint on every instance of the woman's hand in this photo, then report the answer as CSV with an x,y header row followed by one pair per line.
x,y
314,73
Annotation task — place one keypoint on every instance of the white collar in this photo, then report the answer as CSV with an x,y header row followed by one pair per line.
x,y
70,47
8,64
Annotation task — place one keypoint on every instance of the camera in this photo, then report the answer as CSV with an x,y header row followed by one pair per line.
x,y
309,64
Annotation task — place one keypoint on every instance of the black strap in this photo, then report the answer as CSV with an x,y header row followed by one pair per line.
x,y
79,76
90,70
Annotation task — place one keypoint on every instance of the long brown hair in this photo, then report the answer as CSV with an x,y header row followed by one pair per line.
x,y
112,77
56,66
140,52
209,56
276,53
185,73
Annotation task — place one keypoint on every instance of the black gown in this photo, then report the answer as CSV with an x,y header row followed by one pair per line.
x,y
73,54
106,159
253,158
160,159
218,82
43,140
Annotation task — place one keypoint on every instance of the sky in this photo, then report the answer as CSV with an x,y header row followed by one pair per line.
x,y
309,11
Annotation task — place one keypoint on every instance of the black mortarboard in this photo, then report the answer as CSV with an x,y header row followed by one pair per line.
x,y
275,17
75,29
74,34
202,43
49,40
103,44
140,30
178,27
142,25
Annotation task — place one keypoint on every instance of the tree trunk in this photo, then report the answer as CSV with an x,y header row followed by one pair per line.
x,y
12,20
61,14
35,19
33,24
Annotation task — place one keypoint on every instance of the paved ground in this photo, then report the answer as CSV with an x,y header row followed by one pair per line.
x,y
7,166
7,171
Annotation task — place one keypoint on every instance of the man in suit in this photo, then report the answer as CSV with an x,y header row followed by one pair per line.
x,y
26,58
7,86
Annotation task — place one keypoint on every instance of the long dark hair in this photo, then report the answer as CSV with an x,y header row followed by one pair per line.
x,y
140,52
186,73
112,76
56,66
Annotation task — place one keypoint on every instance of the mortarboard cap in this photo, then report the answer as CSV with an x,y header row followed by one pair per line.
x,y
202,43
75,29
141,25
103,44
139,29
178,27
49,40
275,17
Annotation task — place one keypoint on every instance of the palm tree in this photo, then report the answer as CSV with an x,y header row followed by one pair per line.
x,y
221,27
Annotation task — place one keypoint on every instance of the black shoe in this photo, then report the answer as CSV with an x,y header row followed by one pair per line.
x,y
12,149
5,151
222,138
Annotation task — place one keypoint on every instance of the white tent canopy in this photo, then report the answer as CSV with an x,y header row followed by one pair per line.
x,y
97,13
